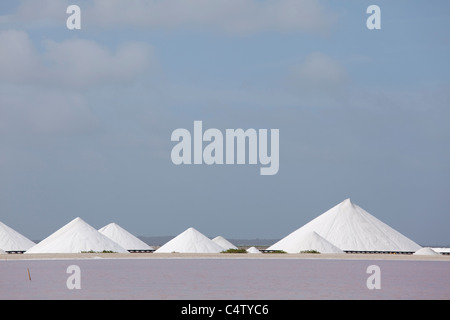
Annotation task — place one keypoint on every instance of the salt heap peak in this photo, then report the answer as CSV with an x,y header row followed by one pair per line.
x,y
76,236
11,240
351,228
224,243
124,238
190,241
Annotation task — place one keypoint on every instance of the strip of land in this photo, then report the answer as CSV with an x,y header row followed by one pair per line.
x,y
346,256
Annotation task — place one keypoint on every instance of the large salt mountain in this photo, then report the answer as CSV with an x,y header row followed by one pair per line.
x,y
349,228
76,236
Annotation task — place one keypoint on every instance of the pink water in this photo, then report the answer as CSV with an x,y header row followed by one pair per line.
x,y
224,279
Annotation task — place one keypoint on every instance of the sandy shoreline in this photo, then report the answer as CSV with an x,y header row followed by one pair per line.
x,y
345,256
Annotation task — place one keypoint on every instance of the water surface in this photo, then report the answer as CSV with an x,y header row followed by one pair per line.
x,y
191,278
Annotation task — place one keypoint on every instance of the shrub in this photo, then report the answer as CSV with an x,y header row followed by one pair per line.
x,y
309,251
234,251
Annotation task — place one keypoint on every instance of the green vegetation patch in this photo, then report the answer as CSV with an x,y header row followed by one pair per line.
x,y
234,251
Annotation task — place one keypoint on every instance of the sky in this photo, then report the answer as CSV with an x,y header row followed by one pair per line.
x,y
86,115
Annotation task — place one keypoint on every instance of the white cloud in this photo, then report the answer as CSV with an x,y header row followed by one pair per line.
x,y
82,63
42,13
24,110
320,78
18,57
75,63
233,16
230,16
43,10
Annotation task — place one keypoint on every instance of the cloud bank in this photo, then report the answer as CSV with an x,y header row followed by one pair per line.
x,y
241,17
71,63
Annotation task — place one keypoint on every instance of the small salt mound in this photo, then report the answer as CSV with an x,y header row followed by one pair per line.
x,y
426,252
253,250
123,237
442,250
2,252
190,241
307,241
76,236
224,243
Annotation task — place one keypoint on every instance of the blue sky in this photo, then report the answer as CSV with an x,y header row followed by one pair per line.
x,y
86,115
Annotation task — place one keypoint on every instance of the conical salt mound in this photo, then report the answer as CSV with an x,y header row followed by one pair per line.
x,y
224,243
253,250
310,240
426,252
442,250
11,240
190,241
76,236
351,228
2,252
124,238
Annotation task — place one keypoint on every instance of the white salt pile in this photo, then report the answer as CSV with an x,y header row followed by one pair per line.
x,y
2,252
350,228
11,240
124,238
190,241
426,252
76,236
253,250
307,241
224,243
443,250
